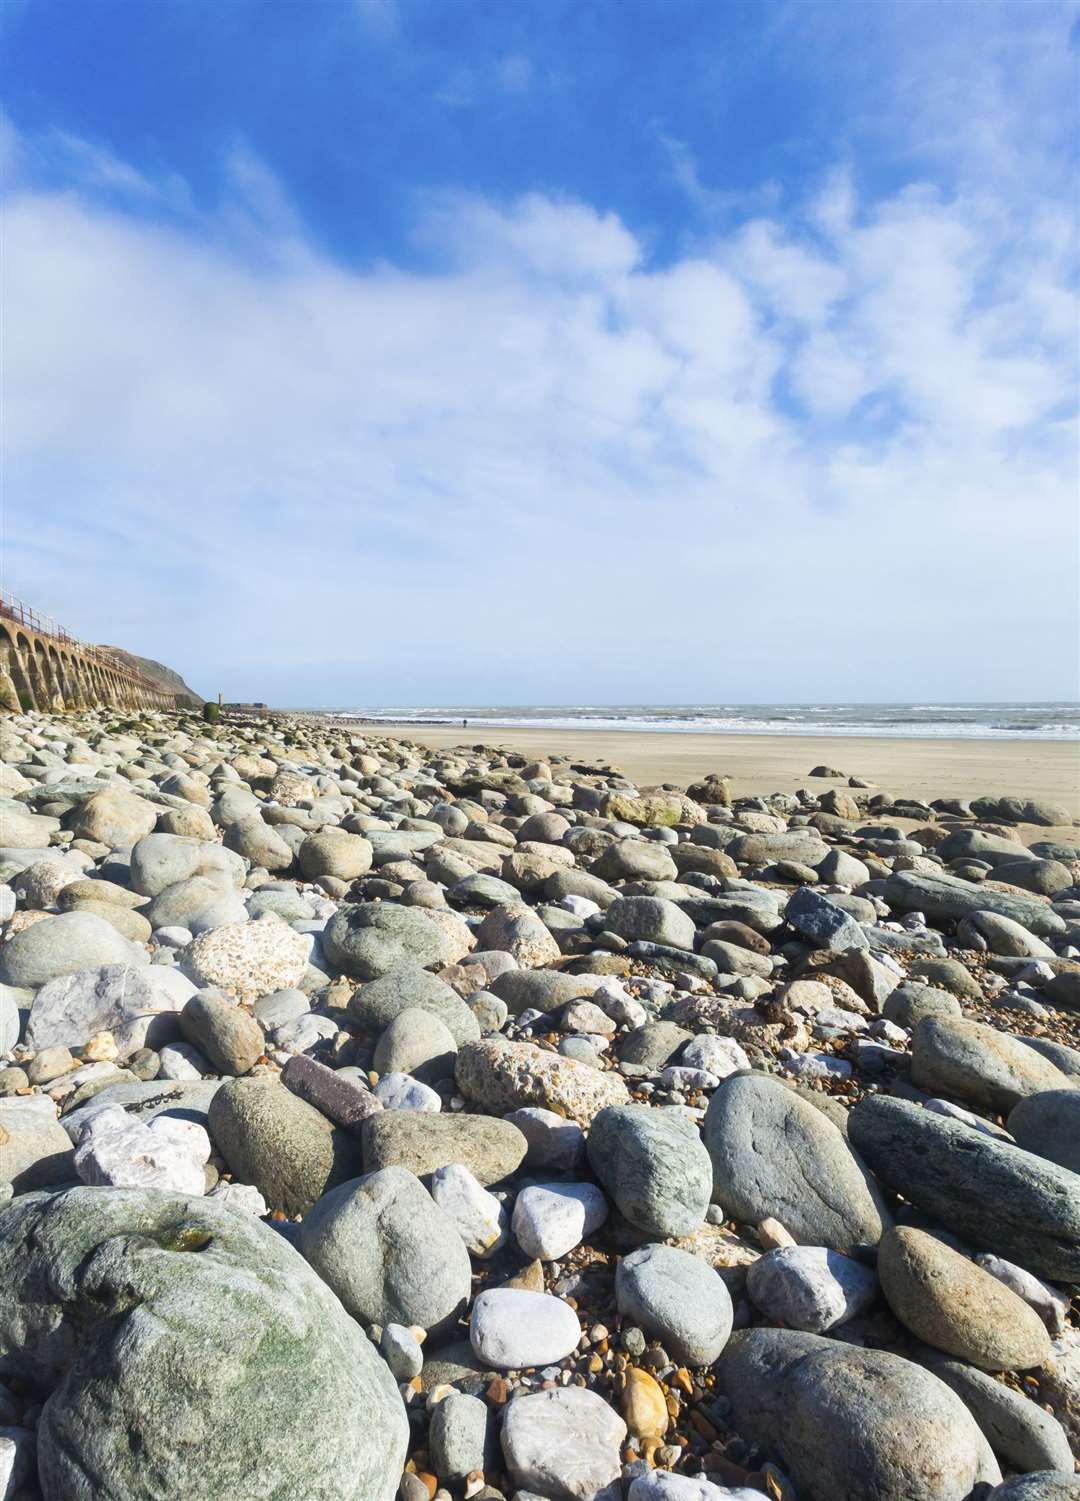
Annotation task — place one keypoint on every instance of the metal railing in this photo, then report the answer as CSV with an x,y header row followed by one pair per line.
x,y
44,625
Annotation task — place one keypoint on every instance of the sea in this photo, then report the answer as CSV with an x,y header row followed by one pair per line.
x,y
997,721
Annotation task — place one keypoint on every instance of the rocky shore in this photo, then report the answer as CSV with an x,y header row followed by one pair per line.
x,y
383,1121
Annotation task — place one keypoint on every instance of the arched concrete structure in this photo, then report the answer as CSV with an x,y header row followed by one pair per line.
x,y
42,667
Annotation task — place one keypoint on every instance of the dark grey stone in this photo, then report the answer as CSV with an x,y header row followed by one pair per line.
x,y
996,1196
652,1163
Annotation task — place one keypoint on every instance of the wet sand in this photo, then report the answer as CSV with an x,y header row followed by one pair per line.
x,y
925,768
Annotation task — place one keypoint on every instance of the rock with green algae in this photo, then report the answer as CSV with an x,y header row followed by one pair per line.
x,y
189,1351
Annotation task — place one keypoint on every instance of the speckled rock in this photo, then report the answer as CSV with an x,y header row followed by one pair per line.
x,y
998,1197
516,929
501,1076
490,1149
230,1038
405,988
372,938
248,960
272,1139
847,1424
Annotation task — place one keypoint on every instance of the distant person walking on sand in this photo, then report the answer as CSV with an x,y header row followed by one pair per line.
x,y
464,724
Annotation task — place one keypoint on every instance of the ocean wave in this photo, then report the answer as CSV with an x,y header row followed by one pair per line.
x,y
901,721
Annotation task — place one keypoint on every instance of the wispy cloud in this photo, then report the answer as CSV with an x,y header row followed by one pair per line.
x,y
757,470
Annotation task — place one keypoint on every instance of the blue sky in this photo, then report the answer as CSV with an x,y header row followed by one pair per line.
x,y
394,351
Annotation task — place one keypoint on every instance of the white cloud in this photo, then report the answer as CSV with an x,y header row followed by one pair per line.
x,y
549,469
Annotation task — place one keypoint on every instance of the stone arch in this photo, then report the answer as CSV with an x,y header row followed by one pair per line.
x,y
59,677
53,698
38,687
16,692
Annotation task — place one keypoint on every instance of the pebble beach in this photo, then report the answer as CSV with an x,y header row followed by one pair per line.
x,y
539,1116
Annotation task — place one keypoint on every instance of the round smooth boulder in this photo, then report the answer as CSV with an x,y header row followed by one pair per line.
x,y
188,1350
283,1146
61,945
652,1163
954,1305
776,1156
512,1329
848,1424
114,817
335,853
679,1298
416,1042
372,938
389,1252
406,987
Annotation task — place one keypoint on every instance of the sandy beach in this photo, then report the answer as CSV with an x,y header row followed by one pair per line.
x,y
925,768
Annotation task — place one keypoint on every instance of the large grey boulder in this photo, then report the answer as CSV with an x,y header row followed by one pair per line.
x,y
189,1352
162,860
371,938
388,1251
404,988
997,1196
652,1163
256,841
1049,1125
61,945
774,1155
947,897
333,851
978,1064
285,1147
847,1424
114,817
198,904
650,919
1021,1433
